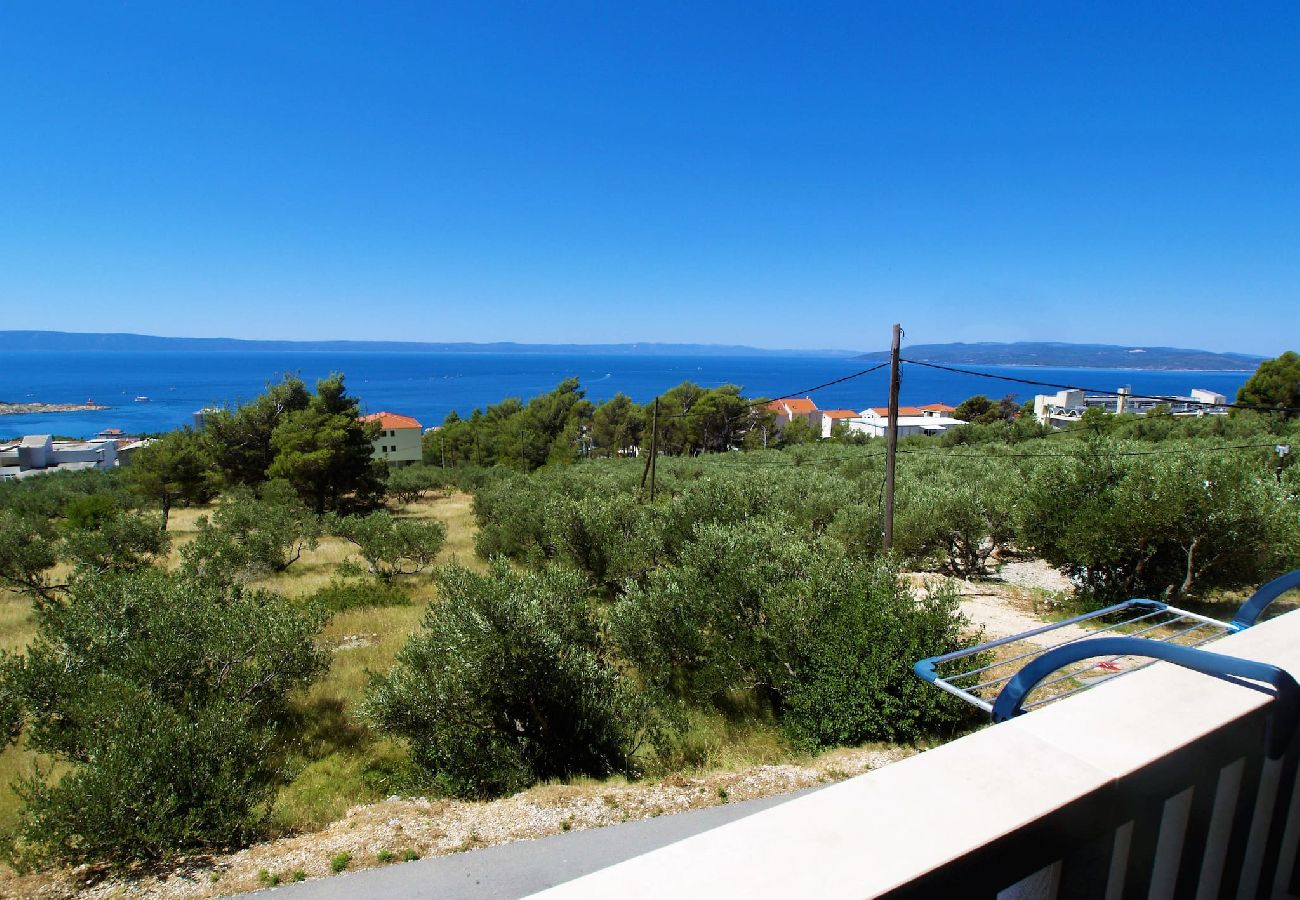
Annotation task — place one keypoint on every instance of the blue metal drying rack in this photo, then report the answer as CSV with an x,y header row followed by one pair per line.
x,y
1013,675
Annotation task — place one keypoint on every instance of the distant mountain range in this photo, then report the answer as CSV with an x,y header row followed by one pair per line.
x,y
1021,353
1074,356
135,343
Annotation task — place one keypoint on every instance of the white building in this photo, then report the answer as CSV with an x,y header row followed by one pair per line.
x,y
399,438
1066,407
1059,409
929,420
201,416
39,453
789,408
830,417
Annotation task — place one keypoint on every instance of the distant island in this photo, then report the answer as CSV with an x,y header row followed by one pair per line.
x,y
17,409
1075,356
68,341
1021,353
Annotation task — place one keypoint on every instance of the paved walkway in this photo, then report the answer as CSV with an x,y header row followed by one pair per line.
x,y
525,867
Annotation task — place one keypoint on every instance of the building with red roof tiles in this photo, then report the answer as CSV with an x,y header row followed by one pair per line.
x,y
930,419
399,438
830,417
882,412
789,408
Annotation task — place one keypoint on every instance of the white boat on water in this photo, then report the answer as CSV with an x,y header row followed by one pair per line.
x,y
142,399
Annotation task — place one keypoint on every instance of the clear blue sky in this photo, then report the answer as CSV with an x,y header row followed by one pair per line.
x,y
776,174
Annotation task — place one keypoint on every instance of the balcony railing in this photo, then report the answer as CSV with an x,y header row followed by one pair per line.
x,y
1158,784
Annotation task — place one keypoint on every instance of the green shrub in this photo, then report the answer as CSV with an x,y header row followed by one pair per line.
x,y
391,546
353,593
825,640
505,685
1158,525
28,548
161,696
340,861
611,539
408,484
48,497
87,512
118,541
251,535
955,517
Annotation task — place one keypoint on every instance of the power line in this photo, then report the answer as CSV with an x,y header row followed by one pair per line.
x,y
1074,387
1116,453
793,462
794,394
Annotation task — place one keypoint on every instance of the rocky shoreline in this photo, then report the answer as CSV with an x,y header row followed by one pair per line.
x,y
13,409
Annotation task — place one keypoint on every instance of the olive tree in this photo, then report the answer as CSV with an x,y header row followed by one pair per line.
x,y
159,697
28,550
506,684
251,535
392,546
823,639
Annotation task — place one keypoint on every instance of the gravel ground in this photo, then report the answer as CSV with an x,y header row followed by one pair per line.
x,y
1034,573
1007,604
436,827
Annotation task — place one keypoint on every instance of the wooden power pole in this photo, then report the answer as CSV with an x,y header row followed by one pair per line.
x,y
654,447
891,446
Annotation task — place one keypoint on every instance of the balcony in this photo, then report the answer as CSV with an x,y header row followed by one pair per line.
x,y
1154,785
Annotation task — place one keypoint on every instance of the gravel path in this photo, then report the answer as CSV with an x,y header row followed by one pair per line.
x,y
435,827
1004,606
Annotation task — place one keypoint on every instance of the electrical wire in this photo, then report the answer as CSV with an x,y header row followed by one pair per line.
x,y
947,452
1088,390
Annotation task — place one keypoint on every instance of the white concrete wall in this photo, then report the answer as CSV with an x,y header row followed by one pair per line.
x,y
879,427
403,446
102,453
1061,781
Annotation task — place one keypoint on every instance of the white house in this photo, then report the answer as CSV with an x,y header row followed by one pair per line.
x,y
399,438
831,416
930,419
790,408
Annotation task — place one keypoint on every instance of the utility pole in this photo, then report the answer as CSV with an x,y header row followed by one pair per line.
x,y
654,447
891,447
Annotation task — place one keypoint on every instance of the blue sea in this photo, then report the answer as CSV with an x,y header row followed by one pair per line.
x,y
429,385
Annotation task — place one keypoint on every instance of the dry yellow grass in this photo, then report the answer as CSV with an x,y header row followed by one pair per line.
x,y
17,627
338,761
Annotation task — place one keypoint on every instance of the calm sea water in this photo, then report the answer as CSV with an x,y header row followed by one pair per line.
x,y
429,385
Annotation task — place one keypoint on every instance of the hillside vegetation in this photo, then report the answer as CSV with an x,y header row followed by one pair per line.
x,y
264,595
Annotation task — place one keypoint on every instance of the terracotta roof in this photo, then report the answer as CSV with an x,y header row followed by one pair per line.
x,y
902,410
839,413
388,420
939,407
795,405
